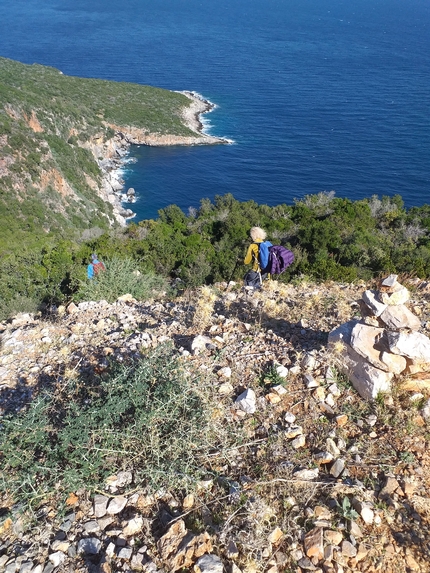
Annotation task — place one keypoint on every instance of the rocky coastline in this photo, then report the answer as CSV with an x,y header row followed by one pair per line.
x,y
114,152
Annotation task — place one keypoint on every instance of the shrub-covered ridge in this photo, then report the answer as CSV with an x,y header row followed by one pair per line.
x,y
332,239
54,133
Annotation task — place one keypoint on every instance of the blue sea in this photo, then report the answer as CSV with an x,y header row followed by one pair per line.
x,y
317,95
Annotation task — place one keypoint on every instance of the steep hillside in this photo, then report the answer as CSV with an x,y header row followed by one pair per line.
x,y
128,444
60,139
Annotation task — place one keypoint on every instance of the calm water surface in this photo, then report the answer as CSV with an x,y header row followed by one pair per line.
x,y
316,94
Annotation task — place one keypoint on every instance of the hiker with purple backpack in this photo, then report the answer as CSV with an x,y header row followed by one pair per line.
x,y
94,267
267,259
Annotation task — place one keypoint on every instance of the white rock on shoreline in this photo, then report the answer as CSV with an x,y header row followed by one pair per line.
x,y
114,152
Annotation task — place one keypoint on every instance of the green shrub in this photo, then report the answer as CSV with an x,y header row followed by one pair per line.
x,y
122,276
149,417
19,303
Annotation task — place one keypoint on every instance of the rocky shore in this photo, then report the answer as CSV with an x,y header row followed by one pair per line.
x,y
114,152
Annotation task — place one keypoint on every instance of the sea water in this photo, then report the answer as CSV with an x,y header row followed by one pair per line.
x,y
317,95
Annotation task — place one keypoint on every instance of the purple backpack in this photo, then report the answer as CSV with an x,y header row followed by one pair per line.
x,y
279,259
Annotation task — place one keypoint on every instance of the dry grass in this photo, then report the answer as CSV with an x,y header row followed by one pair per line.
x,y
204,307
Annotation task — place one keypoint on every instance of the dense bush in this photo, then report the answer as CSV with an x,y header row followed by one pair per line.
x,y
332,239
122,276
148,417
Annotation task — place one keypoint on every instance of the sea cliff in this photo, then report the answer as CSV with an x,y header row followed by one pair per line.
x,y
63,140
114,152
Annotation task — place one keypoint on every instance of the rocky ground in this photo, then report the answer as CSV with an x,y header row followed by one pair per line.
x,y
326,481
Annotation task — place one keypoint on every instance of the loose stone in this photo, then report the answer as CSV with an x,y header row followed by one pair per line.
x,y
313,543
337,468
333,537
293,431
57,558
209,564
116,505
89,545
299,442
348,549
100,505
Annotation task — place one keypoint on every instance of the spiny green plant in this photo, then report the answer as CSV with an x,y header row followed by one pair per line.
x,y
149,417
122,276
270,377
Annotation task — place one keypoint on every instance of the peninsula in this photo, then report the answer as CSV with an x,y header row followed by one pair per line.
x,y
63,139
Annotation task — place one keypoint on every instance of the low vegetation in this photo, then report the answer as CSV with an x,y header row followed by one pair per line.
x,y
150,417
332,239
122,276
48,174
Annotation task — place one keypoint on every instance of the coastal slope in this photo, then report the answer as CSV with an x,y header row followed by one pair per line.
x,y
62,140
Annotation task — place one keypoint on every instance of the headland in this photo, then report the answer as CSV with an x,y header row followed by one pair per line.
x,y
115,153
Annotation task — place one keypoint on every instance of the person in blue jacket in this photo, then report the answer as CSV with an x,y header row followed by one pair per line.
x,y
94,267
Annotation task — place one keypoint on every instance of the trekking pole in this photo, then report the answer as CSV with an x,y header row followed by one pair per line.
x,y
232,274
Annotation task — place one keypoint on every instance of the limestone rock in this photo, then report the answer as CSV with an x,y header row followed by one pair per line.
x,y
365,510
413,345
279,389
333,537
232,551
416,366
323,457
133,526
337,468
116,505
322,512
341,420
224,372
281,370
247,401
225,388
332,448
370,298
72,308
299,442
366,379
273,398
393,362
188,502
306,475
310,381
89,545
179,548
276,535
125,553
348,549
398,316
388,284
100,505
209,564
355,530
313,543
200,343
121,479
398,297
57,558
363,341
